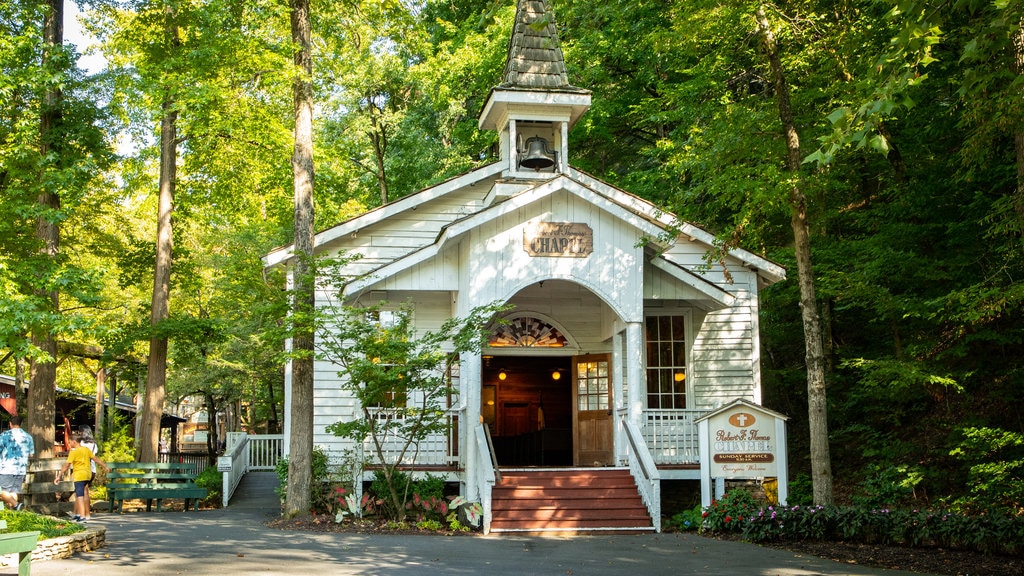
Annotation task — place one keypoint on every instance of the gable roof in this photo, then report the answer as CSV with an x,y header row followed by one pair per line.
x,y
639,213
285,253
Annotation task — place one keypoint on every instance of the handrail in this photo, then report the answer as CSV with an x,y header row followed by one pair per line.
x,y
486,472
236,460
492,453
645,471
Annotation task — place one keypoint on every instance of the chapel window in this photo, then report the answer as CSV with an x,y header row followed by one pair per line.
x,y
666,361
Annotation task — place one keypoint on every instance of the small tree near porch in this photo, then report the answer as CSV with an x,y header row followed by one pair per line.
x,y
402,380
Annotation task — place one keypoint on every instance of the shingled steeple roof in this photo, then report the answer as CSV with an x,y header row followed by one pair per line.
x,y
535,60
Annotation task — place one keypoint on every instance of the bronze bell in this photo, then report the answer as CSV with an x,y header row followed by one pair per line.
x,y
538,156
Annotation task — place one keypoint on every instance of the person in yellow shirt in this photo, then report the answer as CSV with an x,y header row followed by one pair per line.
x,y
81,472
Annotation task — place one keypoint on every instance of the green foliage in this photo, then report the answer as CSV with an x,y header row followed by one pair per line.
x,y
887,486
119,444
801,491
402,380
432,508
686,521
995,479
48,526
430,486
988,533
213,481
383,486
728,513
323,496
473,512
430,525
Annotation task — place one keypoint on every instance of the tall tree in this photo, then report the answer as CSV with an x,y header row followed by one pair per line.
x,y
300,441
817,404
156,374
43,373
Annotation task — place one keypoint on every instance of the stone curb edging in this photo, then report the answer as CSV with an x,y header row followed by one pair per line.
x,y
65,546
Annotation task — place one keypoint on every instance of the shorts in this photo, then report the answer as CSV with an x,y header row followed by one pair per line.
x,y
11,483
89,481
80,488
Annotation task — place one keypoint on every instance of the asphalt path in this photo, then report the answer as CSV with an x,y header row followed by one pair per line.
x,y
236,541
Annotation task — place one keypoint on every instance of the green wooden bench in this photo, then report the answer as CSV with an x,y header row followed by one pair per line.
x,y
151,481
20,543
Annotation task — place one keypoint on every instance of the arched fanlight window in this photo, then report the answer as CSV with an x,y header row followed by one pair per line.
x,y
527,332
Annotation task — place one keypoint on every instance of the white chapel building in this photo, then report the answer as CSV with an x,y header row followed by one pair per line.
x,y
620,335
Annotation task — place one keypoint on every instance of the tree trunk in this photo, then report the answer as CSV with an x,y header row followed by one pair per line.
x,y
101,389
379,139
1018,135
817,412
300,441
156,375
42,389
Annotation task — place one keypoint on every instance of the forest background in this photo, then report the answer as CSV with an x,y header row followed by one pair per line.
x,y
910,115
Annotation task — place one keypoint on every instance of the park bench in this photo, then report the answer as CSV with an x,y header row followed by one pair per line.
x,y
151,481
20,543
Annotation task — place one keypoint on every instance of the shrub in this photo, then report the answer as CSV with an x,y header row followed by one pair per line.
x,y
322,496
727,514
428,508
685,521
801,491
995,474
430,487
886,486
381,491
990,533
213,481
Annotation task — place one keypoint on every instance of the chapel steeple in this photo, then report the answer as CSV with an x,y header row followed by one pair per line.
x,y
535,105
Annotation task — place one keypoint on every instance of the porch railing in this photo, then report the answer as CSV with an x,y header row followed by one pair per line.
x,y
438,449
671,435
644,471
265,450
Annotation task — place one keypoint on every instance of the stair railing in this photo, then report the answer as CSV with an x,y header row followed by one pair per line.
x,y
644,471
234,464
487,471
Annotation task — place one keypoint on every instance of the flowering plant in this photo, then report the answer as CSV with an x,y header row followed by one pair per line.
x,y
729,513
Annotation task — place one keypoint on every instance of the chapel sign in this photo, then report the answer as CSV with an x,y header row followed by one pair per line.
x,y
558,239
742,441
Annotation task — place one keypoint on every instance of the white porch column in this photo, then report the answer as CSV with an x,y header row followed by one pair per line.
x,y
469,381
619,400
513,146
635,380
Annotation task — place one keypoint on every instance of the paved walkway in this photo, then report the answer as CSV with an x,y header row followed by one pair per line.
x,y
234,541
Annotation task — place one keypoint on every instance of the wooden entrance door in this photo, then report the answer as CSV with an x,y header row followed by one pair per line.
x,y
592,416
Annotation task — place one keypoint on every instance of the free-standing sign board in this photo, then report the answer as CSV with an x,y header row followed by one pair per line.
x,y
742,441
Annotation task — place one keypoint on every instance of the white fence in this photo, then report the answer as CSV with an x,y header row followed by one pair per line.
x,y
265,450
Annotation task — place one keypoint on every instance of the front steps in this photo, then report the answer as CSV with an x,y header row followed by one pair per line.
x,y
568,501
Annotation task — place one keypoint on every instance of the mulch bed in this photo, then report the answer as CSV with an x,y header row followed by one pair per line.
x,y
365,526
924,560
